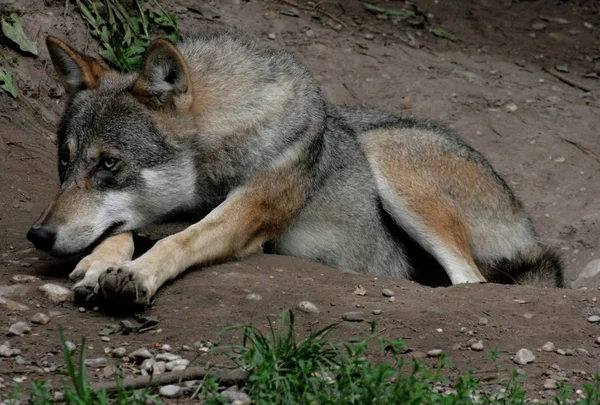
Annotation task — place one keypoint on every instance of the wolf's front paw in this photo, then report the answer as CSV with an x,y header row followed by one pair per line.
x,y
124,286
86,274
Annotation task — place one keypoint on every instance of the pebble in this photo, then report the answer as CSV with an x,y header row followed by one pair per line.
x,y
56,293
369,36
140,355
538,26
233,395
159,368
392,299
13,305
582,351
377,311
524,356
81,309
588,276
176,363
549,347
147,364
593,319
70,346
569,352
308,307
561,352
24,278
166,348
105,339
477,346
387,292
353,316
272,36
550,384
435,353
167,357
483,321
19,329
40,318
588,25
97,362
511,107
119,352
254,297
598,340
169,391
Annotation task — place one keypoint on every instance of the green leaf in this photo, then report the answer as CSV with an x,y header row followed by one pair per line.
x,y
562,68
7,85
15,33
442,33
391,12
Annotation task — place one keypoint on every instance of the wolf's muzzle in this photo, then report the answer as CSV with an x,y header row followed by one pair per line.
x,y
42,237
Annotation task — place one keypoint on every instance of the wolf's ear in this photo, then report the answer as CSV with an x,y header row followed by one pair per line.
x,y
75,71
164,78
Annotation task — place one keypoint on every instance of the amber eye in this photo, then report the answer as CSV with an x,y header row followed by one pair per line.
x,y
108,163
64,162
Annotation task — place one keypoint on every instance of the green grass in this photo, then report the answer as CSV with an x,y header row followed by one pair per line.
x,y
125,34
284,370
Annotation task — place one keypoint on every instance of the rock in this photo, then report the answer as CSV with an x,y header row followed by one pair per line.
x,y
56,293
105,339
561,352
180,367
386,292
166,348
40,318
511,107
81,309
588,25
70,346
24,278
549,347
97,362
176,363
539,26
169,391
308,307
435,353
12,305
569,352
272,36
377,311
550,384
353,316
159,368
369,36
119,352
582,351
19,329
589,276
360,290
598,340
140,355
233,395
483,321
108,371
147,365
524,356
167,357
392,299
254,297
593,319
477,346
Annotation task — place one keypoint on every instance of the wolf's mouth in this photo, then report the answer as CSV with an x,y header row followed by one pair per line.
x,y
111,230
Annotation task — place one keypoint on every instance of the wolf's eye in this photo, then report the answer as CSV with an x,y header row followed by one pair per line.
x,y
108,162
64,162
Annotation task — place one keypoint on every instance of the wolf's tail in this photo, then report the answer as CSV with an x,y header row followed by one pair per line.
x,y
542,268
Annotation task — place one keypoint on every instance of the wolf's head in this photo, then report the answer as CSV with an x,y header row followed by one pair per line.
x,y
118,168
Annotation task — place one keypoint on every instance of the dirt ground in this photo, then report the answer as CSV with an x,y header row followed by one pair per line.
x,y
492,81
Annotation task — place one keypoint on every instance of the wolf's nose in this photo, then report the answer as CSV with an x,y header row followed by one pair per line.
x,y
41,237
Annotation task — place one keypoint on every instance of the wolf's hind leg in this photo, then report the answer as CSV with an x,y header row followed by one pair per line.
x,y
111,252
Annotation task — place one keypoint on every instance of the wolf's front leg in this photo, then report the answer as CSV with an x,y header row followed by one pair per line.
x,y
111,252
238,226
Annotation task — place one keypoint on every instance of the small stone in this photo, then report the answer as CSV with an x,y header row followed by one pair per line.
x,y
569,352
40,319
483,321
360,290
159,368
386,292
477,346
21,361
272,36
254,297
549,347
598,340
105,339
233,395
369,36
561,352
308,307
309,33
353,316
167,357
175,363
392,299
588,25
589,276
166,348
56,293
13,305
19,329
59,396
108,371
538,26
511,107
550,384
81,309
180,367
582,351
24,278
97,362
147,364
593,319
435,353
140,355
119,352
169,391
377,312
418,355
524,356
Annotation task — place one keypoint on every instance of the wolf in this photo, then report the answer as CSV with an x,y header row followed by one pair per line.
x,y
242,135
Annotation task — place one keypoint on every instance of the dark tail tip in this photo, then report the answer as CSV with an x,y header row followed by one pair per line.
x,y
542,269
